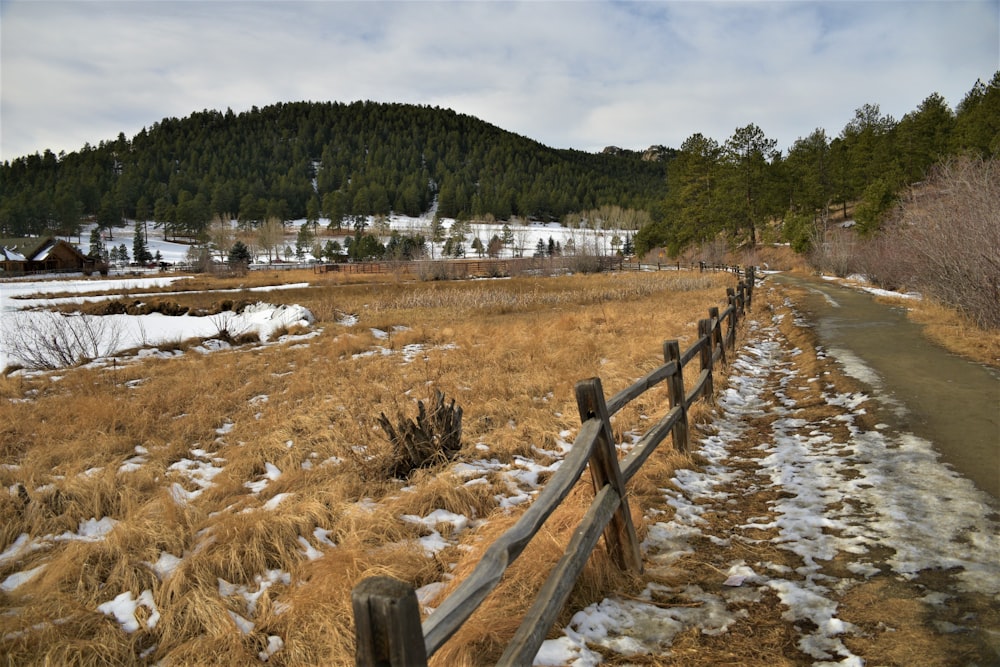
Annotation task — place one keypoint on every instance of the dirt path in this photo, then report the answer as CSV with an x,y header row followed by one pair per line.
x,y
809,534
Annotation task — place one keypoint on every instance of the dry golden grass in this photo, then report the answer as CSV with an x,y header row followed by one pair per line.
x,y
508,351
955,332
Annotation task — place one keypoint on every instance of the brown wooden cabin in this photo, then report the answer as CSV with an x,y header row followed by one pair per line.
x,y
42,254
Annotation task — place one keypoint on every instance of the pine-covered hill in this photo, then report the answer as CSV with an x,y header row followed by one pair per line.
x,y
312,159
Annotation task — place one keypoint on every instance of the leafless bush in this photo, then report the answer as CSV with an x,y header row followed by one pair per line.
x,y
227,331
432,439
838,254
49,340
945,239
584,263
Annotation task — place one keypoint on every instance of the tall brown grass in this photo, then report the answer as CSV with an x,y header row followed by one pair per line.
x,y
301,419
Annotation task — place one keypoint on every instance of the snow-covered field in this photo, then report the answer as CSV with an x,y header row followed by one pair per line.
x,y
525,238
24,320
21,317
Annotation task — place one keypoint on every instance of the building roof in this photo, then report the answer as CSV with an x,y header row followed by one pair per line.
x,y
33,248
10,255
26,247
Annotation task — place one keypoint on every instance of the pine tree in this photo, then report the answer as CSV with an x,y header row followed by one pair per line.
x,y
540,248
239,256
507,235
629,248
97,250
140,251
495,246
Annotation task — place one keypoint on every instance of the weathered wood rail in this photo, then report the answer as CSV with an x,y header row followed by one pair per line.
x,y
387,617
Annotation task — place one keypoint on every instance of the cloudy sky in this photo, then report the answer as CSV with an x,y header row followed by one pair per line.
x,y
581,75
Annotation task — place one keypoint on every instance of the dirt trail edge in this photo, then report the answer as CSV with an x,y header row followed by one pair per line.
x,y
809,533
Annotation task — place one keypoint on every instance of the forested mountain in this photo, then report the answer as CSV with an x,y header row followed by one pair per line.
x,y
737,187
307,160
337,161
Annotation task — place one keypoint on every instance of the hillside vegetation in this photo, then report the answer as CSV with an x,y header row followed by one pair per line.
x,y
745,191
311,159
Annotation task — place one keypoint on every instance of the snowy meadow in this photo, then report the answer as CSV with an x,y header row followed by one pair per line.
x,y
215,501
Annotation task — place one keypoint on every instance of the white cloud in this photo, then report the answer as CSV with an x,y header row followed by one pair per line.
x,y
569,74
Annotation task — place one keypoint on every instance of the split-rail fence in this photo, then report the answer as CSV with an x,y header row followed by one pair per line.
x,y
388,629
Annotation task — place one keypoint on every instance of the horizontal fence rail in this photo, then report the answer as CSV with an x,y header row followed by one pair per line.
x,y
388,630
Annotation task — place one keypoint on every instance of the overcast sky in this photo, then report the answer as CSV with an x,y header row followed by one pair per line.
x,y
581,75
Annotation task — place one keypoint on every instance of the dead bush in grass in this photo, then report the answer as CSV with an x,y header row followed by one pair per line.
x,y
48,340
430,440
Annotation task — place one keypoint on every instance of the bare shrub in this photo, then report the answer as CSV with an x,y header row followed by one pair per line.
x,y
432,439
585,263
838,254
49,340
945,239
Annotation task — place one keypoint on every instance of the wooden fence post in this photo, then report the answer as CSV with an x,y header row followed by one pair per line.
x,y
713,314
675,386
705,331
741,291
734,318
751,278
387,624
620,533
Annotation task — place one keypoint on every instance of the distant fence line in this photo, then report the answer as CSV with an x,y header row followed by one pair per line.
x,y
388,630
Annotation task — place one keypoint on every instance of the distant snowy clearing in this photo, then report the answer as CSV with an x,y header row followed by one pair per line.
x,y
42,338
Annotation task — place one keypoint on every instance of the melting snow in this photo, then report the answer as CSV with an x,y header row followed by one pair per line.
x,y
888,477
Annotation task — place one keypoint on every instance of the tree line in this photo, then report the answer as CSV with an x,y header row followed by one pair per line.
x,y
311,160
737,187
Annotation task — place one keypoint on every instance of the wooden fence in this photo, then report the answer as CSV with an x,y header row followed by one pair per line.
x,y
386,613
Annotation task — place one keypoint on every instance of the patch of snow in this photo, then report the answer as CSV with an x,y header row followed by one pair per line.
x,y
124,606
19,578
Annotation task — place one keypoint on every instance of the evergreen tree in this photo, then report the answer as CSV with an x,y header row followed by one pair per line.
x,y
303,241
97,250
239,256
495,247
692,211
507,235
748,154
540,248
140,251
332,251
629,248
923,137
977,120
